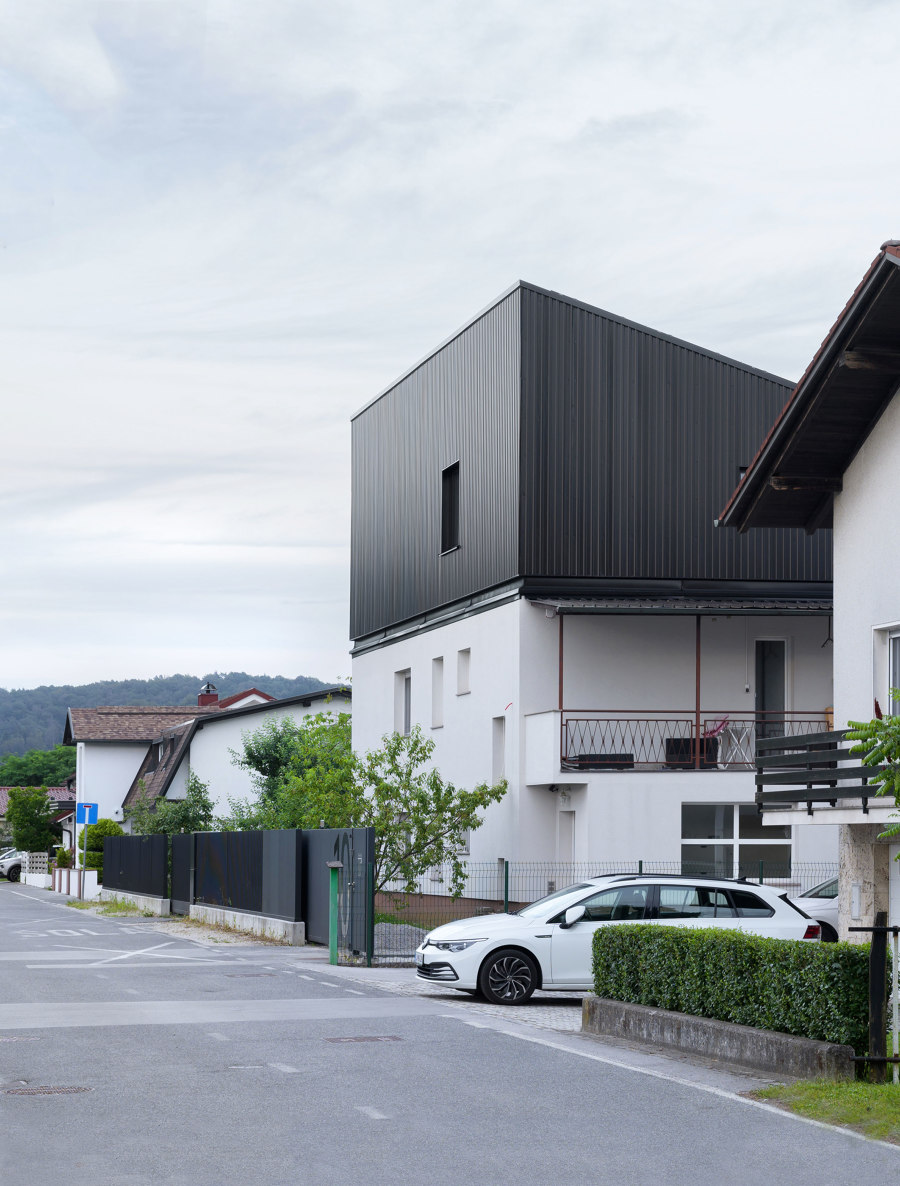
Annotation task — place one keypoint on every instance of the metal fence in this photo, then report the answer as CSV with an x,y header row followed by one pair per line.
x,y
401,920
137,865
228,870
597,741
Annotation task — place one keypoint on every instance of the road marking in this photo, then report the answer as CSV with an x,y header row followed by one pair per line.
x,y
128,954
305,977
355,992
372,1113
219,1037
133,990
280,1066
250,1066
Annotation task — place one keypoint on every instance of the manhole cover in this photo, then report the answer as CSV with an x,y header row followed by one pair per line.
x,y
44,1090
369,1038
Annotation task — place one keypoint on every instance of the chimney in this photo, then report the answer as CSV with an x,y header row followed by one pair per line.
x,y
208,695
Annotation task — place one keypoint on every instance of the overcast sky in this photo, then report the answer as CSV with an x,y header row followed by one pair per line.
x,y
224,226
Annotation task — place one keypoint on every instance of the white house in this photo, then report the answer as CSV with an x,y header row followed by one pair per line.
x,y
832,459
206,745
536,581
116,745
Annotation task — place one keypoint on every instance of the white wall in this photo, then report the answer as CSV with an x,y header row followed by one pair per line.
x,y
216,737
104,772
610,662
866,570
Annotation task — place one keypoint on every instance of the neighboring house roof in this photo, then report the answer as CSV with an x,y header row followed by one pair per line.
x,y
63,795
239,697
129,723
158,774
849,383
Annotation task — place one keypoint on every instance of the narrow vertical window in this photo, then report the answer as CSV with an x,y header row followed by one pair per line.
x,y
462,672
450,508
402,702
437,693
498,749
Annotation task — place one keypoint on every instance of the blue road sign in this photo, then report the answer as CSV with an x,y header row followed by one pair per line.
x,y
85,813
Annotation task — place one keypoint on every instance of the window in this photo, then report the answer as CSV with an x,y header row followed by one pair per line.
x,y
693,901
450,508
463,661
730,840
403,702
749,906
498,749
893,706
437,692
616,905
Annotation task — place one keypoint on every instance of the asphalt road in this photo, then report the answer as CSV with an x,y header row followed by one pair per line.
x,y
204,1064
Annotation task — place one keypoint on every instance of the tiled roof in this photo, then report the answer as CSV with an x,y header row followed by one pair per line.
x,y
155,771
130,723
240,696
60,794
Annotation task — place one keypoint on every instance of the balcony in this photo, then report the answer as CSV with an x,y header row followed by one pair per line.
x,y
597,741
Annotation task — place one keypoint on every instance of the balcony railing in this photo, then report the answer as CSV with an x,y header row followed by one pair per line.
x,y
643,739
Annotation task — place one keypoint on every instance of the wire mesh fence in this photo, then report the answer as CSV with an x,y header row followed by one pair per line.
x,y
395,922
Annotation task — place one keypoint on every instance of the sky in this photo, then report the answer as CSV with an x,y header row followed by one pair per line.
x,y
225,226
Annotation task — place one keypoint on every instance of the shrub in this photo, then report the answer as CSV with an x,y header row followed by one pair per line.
x,y
813,990
64,858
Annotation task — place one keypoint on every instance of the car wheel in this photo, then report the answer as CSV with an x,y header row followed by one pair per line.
x,y
15,873
829,934
508,977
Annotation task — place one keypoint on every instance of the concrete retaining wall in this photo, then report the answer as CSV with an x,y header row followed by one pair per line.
x,y
145,902
763,1050
292,933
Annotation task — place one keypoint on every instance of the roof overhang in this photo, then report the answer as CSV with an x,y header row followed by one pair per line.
x,y
850,381
705,606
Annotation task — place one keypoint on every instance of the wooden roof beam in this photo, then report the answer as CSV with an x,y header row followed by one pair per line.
x,y
871,359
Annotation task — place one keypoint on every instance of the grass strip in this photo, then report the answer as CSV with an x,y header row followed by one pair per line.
x,y
868,1108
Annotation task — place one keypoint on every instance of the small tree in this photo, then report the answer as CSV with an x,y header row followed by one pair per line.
x,y
878,744
284,749
30,817
193,813
96,834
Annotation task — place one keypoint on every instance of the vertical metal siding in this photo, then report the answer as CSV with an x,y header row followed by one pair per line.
x,y
630,446
461,404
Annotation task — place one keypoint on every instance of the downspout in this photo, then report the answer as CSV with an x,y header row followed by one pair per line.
x,y
697,700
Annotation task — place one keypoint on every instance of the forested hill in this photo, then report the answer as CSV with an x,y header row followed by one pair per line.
x,y
34,718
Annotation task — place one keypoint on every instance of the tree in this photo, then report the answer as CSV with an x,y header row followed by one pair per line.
x,y
878,744
38,768
30,816
193,813
419,819
286,748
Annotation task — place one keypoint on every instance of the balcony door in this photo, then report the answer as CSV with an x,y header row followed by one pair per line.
x,y
771,686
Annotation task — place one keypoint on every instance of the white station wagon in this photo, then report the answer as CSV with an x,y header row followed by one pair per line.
x,y
548,944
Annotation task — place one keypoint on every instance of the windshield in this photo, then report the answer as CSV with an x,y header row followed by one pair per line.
x,y
827,889
538,908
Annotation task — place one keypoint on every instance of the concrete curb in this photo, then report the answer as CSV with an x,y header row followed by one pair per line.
x,y
145,902
781,1054
291,933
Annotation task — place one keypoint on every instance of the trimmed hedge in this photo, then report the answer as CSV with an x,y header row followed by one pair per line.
x,y
812,990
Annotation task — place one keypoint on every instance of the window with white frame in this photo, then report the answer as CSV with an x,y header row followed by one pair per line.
x,y
498,749
437,692
403,702
730,840
463,661
893,706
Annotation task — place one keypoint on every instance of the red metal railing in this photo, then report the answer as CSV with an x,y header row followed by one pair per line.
x,y
646,739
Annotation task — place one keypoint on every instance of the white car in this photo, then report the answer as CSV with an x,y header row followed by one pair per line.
x,y
821,903
11,864
548,944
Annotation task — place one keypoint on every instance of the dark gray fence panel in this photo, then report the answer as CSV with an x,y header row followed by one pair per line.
x,y
228,870
355,849
137,865
282,864
182,848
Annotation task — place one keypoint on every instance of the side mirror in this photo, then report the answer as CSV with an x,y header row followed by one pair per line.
x,y
573,914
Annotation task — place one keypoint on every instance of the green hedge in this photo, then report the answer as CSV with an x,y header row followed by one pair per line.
x,y
813,990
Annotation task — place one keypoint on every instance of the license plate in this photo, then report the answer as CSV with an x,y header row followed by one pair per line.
x,y
420,959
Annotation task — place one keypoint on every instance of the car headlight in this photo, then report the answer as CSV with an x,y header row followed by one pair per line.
x,y
452,944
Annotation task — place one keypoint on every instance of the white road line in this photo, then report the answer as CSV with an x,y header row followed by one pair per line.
x,y
372,1113
219,1037
280,1066
355,992
128,954
304,977
250,1066
133,990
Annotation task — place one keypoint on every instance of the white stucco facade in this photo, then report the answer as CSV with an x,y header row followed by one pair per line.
x,y
487,687
104,770
218,738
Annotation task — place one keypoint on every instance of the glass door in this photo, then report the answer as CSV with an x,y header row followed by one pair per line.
x,y
771,686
